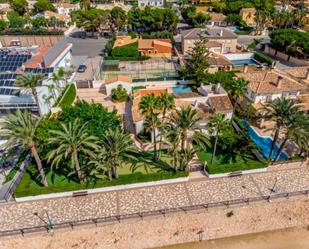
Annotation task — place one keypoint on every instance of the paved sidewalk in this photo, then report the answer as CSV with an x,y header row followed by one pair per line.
x,y
198,191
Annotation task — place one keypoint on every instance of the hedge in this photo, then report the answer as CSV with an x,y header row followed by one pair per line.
x,y
24,31
263,58
127,53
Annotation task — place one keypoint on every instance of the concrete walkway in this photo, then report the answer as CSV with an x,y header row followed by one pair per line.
x,y
197,191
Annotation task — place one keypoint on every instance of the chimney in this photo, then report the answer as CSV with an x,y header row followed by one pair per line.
x,y
307,75
221,32
279,81
245,68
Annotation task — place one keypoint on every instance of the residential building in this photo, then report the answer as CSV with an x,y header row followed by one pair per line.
x,y
120,80
266,86
248,15
209,100
15,61
217,19
152,3
226,38
148,47
66,18
66,8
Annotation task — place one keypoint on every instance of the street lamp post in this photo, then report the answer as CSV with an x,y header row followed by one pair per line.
x,y
49,221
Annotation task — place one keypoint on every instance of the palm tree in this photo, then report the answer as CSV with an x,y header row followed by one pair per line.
x,y
237,88
20,128
279,111
172,136
120,148
297,126
69,141
30,82
186,156
167,103
217,123
186,119
102,164
149,105
151,124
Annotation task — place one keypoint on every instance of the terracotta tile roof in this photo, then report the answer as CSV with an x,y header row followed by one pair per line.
x,y
218,60
157,92
179,103
186,95
123,78
221,103
217,17
298,73
150,43
265,82
304,102
37,59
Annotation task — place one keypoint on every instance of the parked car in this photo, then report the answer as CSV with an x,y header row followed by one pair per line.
x,y
81,68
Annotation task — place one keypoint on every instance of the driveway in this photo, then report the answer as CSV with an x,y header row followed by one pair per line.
x,y
90,47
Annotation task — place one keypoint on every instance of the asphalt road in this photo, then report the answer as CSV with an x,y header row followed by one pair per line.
x,y
90,47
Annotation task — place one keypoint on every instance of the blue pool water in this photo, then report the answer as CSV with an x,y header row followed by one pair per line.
x,y
243,62
264,143
181,89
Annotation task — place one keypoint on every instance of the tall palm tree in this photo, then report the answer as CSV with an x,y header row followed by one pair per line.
x,y
69,141
172,136
237,88
30,82
279,111
217,123
119,147
151,124
167,103
297,126
186,119
20,128
149,105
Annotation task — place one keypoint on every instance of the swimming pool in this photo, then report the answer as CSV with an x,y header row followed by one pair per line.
x,y
181,89
264,143
243,62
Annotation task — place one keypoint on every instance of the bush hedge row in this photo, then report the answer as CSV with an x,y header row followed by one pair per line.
x,y
263,58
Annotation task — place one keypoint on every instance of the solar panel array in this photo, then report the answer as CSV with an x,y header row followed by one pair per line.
x,y
6,83
9,91
10,62
8,76
44,71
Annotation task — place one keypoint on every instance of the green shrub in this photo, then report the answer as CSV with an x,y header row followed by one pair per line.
x,y
263,58
127,52
27,31
119,94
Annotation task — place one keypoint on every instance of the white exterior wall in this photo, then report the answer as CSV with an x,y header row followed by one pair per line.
x,y
154,3
125,85
139,125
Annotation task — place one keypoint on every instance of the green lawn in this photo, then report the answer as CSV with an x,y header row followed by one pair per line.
x,y
224,163
145,170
